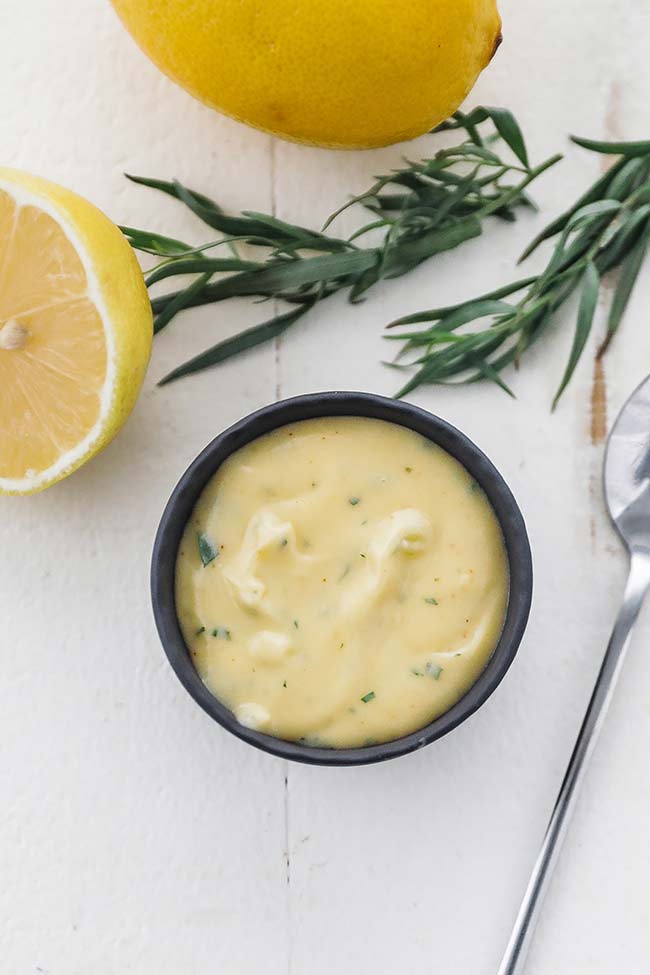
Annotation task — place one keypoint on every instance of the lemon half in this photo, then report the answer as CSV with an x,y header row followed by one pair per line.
x,y
341,73
75,331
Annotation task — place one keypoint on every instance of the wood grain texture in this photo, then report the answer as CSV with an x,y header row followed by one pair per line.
x,y
136,837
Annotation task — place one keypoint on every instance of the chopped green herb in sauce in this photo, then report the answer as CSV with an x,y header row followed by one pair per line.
x,y
431,601
284,683
207,550
354,501
200,630
434,670
361,555
285,541
295,623
346,571
370,696
416,672
222,633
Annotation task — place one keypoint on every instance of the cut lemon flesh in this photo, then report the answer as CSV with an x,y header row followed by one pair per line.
x,y
75,332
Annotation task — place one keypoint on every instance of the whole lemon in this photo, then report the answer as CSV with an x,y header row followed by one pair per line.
x,y
341,73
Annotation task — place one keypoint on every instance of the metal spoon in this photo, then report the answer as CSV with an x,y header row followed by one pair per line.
x,y
627,492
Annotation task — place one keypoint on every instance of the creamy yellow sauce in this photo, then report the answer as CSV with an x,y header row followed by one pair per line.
x,y
342,581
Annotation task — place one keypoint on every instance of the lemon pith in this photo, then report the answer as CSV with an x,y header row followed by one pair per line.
x,y
75,331
337,74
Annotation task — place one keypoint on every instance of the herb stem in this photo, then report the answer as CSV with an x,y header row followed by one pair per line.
x,y
424,208
608,227
515,191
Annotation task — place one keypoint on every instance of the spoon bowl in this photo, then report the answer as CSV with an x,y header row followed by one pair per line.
x,y
627,470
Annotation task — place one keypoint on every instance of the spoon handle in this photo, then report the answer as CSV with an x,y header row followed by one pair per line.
x,y
637,586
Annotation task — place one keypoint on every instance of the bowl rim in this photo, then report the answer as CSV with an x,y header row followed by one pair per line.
x,y
309,406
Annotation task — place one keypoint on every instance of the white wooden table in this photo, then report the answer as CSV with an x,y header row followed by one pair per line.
x,y
136,837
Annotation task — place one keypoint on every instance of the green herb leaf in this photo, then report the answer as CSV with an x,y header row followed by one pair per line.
x,y
283,278
194,265
437,314
594,192
629,177
431,600
228,348
508,128
630,228
206,209
200,630
629,273
354,501
221,633
613,148
487,371
207,550
586,311
370,696
434,670
404,256
182,299
151,243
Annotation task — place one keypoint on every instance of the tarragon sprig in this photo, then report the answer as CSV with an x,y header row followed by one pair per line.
x,y
424,208
607,228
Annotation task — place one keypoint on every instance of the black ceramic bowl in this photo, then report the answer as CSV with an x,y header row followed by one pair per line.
x,y
189,488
